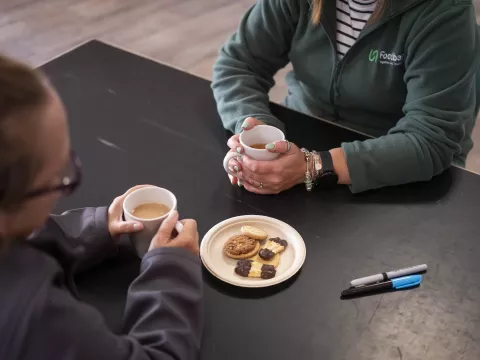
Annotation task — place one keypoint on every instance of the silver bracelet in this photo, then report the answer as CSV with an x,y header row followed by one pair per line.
x,y
308,176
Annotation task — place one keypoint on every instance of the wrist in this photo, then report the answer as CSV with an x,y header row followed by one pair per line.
x,y
340,166
302,168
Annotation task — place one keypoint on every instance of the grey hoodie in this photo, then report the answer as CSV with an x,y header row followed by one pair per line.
x,y
41,319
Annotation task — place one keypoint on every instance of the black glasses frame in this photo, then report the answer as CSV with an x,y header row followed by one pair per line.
x,y
68,185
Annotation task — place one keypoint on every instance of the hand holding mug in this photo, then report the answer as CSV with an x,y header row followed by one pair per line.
x,y
150,206
273,177
235,146
277,166
187,239
252,143
116,225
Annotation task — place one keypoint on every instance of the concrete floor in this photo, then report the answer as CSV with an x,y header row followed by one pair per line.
x,y
184,33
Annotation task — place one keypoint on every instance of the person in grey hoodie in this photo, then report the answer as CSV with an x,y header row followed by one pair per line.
x,y
40,316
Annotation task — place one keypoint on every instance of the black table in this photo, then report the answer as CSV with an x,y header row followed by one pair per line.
x,y
134,121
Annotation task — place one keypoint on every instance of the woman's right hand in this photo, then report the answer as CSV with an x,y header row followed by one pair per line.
x,y
235,146
187,239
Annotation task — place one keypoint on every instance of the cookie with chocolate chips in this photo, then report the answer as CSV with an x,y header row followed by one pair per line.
x,y
241,247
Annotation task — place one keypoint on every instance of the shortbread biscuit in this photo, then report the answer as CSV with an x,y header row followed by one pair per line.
x,y
254,269
272,247
254,233
274,261
241,247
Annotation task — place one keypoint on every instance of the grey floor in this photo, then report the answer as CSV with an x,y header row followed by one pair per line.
x,y
184,33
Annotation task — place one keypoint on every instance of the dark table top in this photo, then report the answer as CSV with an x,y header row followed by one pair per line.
x,y
135,121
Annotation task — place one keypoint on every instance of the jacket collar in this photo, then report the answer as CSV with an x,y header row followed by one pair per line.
x,y
395,7
392,9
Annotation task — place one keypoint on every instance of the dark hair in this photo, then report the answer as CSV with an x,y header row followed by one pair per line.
x,y
22,91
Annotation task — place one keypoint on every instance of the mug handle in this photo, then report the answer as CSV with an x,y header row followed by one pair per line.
x,y
230,155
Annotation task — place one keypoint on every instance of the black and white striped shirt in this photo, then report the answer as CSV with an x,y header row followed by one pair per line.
x,y
352,15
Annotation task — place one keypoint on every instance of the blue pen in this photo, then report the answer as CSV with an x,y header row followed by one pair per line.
x,y
404,282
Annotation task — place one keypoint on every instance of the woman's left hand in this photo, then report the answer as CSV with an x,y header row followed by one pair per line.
x,y
116,225
273,177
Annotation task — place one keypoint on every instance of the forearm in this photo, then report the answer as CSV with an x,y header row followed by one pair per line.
x,y
394,159
164,309
163,317
241,93
243,73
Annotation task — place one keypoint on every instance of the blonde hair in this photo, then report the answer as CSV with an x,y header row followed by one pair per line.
x,y
22,92
317,11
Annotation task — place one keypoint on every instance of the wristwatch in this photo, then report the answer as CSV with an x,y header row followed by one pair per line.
x,y
327,177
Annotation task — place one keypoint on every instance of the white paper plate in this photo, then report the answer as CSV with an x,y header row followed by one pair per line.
x,y
221,266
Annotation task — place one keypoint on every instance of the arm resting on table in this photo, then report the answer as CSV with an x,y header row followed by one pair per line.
x,y
163,317
439,108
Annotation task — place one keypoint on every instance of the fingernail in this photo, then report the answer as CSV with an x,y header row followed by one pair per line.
x,y
270,146
239,149
245,124
236,168
239,183
240,158
137,226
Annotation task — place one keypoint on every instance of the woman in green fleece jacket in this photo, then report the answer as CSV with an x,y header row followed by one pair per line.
x,y
403,73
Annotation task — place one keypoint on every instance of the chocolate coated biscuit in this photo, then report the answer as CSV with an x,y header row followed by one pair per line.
x,y
254,269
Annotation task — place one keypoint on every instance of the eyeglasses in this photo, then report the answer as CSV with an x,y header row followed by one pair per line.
x,y
70,180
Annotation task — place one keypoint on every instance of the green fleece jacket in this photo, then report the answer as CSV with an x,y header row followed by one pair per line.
x,y
409,81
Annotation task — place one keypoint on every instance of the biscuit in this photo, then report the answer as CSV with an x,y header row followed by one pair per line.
x,y
254,269
274,261
272,247
241,247
254,233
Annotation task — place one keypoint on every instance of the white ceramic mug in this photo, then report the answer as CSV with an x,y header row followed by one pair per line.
x,y
141,240
260,134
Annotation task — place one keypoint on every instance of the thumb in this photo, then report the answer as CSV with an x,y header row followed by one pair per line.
x,y
165,231
250,123
280,147
126,227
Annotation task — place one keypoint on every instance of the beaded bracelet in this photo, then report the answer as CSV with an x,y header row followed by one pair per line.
x,y
308,176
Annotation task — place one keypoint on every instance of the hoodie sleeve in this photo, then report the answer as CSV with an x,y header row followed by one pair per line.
x,y
243,73
163,317
441,61
78,239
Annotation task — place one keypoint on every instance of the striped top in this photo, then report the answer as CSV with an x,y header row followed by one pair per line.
x,y
352,16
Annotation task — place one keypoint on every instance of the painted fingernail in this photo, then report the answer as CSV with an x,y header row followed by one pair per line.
x,y
270,146
236,168
240,158
239,149
245,124
239,183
